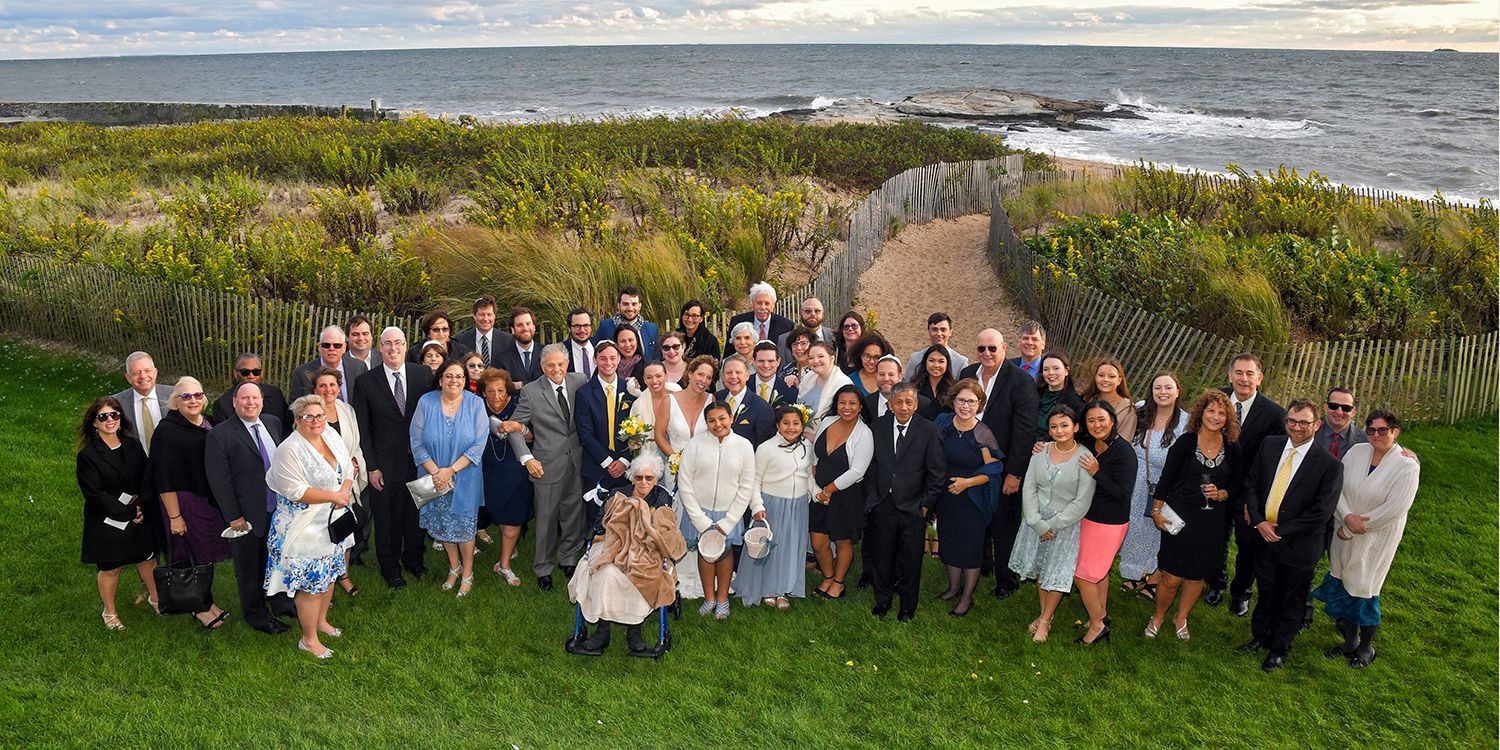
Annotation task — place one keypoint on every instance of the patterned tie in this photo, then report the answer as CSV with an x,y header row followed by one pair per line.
x,y
1278,486
588,365
1239,412
562,404
609,400
484,348
763,335
1335,448
148,422
400,394
265,462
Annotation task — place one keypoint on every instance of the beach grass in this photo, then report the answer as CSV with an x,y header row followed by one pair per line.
x,y
418,668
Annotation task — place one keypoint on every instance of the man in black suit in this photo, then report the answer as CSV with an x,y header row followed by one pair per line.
x,y
247,369
769,325
905,480
1010,411
580,346
602,404
753,419
1259,418
1291,491
331,353
359,332
236,457
767,382
384,402
483,338
523,358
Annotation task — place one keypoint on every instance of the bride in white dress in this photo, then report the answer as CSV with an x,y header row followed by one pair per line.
x,y
658,405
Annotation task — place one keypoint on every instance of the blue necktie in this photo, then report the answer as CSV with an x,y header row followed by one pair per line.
x,y
265,462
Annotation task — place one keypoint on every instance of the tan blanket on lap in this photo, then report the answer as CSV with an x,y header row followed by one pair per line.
x,y
638,539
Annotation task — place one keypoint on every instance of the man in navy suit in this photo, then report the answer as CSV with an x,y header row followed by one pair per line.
x,y
602,404
767,382
237,456
628,305
1259,418
1031,342
1291,491
753,418
768,324
523,358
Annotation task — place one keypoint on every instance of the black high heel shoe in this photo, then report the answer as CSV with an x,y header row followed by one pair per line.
x,y
1103,637
842,589
955,613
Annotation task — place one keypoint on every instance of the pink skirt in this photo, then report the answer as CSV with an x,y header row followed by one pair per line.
x,y
1098,543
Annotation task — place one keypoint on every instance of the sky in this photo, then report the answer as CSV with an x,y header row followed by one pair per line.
x,y
89,28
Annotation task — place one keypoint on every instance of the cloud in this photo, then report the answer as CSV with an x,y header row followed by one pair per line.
x,y
112,27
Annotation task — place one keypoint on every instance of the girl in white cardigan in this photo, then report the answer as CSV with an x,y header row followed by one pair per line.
x,y
715,482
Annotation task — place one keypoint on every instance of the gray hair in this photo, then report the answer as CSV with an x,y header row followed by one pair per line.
x,y
646,461
246,357
332,329
136,356
763,288
904,387
392,329
558,349
742,328
299,407
179,388
736,357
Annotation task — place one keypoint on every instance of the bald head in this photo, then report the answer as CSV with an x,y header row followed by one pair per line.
x,y
990,345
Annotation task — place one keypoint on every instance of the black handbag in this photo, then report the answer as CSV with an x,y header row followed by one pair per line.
x,y
340,528
184,589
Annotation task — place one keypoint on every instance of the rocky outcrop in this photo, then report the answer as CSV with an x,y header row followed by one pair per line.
x,y
168,113
994,106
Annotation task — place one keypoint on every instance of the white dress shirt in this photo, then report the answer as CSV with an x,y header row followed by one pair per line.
x,y
146,402
1241,408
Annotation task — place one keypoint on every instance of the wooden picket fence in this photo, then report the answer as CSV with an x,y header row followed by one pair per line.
x,y
1424,380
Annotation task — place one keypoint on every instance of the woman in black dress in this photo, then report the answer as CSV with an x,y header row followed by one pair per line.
x,y
1054,387
700,340
842,454
966,509
1201,466
507,488
111,471
176,472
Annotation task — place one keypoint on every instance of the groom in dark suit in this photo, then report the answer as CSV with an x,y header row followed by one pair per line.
x,y
603,403
237,457
1291,492
384,401
753,419
905,480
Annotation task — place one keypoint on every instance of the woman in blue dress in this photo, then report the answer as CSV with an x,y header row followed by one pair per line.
x,y
507,488
449,432
966,509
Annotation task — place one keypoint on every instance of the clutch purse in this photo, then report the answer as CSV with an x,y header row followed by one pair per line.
x,y
424,490
1174,522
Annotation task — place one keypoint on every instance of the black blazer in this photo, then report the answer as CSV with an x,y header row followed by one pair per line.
x,y
916,477
235,473
272,399
755,420
1011,414
302,379
1308,504
384,432
591,418
779,325
103,475
1267,419
464,341
509,360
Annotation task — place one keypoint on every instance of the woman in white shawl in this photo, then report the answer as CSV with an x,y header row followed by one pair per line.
x,y
313,479
340,419
818,388
1380,483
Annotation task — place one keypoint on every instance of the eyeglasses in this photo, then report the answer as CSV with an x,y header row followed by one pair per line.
x,y
439,329
331,345
1300,422
850,326
692,315
475,366
249,372
106,416
1347,408
1381,431
966,401
870,357
670,347
453,376
580,325
199,396
311,418
983,349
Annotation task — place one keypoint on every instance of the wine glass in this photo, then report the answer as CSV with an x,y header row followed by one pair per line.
x,y
1205,478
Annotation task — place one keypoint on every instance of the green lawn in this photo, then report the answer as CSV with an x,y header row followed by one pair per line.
x,y
418,668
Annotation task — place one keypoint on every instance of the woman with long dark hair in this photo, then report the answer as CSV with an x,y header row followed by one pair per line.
x,y
111,469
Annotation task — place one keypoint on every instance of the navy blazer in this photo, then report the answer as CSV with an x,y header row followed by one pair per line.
x,y
781,393
754,420
509,360
235,472
591,417
778,326
1036,373
650,336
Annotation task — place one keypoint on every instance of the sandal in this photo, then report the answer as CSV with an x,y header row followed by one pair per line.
x,y
112,621
1148,592
721,611
484,536
213,624
1152,628
352,590
1040,630
769,601
453,579
706,608
842,590
465,585
1182,633
783,603
508,574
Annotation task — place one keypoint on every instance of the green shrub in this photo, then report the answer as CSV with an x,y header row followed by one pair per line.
x,y
346,214
217,208
351,167
104,195
404,191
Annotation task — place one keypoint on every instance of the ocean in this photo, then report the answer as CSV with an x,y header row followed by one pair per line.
x,y
1411,122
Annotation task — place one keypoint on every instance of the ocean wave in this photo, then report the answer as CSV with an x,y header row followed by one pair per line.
x,y
1166,125
1434,113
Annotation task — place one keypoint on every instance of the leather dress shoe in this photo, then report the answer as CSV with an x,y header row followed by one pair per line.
x,y
881,610
1251,646
905,615
1213,597
544,583
568,570
1003,593
272,627
418,574
1240,606
396,583
1273,662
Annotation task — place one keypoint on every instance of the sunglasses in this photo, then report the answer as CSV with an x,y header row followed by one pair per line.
x,y
249,372
199,396
106,416
983,349
670,347
1339,407
331,345
643,478
850,326
437,329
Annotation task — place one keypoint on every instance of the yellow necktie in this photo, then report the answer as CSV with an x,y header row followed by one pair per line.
x,y
609,397
148,423
763,388
1278,487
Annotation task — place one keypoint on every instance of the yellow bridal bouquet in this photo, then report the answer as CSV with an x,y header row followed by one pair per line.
x,y
634,433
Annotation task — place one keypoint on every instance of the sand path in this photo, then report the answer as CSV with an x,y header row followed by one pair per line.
x,y
938,266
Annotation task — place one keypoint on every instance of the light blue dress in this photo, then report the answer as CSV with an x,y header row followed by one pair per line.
x,y
1143,539
1054,497
442,439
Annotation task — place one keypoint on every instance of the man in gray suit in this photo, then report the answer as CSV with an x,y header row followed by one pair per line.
x,y
554,461
145,402
332,352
